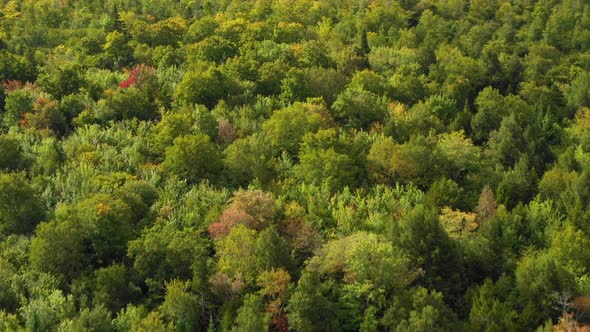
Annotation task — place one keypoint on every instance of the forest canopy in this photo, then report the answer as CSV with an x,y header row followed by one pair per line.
x,y
294,165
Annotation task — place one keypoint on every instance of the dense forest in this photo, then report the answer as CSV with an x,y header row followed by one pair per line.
x,y
294,165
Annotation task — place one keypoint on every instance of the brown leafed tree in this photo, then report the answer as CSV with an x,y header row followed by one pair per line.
x,y
486,206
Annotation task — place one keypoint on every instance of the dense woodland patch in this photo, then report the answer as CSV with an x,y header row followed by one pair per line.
x,y
327,165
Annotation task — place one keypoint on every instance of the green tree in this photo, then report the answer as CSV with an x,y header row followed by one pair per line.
x,y
517,184
93,232
442,107
182,306
300,84
408,84
314,54
541,63
20,207
412,161
15,67
488,311
577,94
310,309
97,318
569,247
117,52
16,104
163,253
420,235
429,313
171,126
246,159
271,250
459,155
167,32
61,79
212,49
446,192
507,143
285,128
237,255
194,158
368,80
45,314
58,248
326,165
10,322
490,110
204,84
357,108
131,103
112,287
107,224
538,278
251,316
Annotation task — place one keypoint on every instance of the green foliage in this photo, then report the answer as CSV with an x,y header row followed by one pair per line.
x,y
60,79
212,49
163,253
420,236
193,158
250,316
181,306
429,313
310,309
171,126
98,318
44,314
310,165
247,159
112,288
518,184
324,159
490,310
117,53
95,232
203,84
490,110
57,248
9,322
412,161
300,84
458,153
577,93
16,104
538,279
285,128
133,103
271,250
357,108
15,67
20,207
569,247
365,259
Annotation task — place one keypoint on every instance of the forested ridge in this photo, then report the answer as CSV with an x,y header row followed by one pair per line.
x,y
294,165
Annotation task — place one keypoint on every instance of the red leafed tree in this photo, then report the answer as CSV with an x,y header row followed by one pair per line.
x,y
222,285
253,208
138,75
274,286
229,218
12,85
